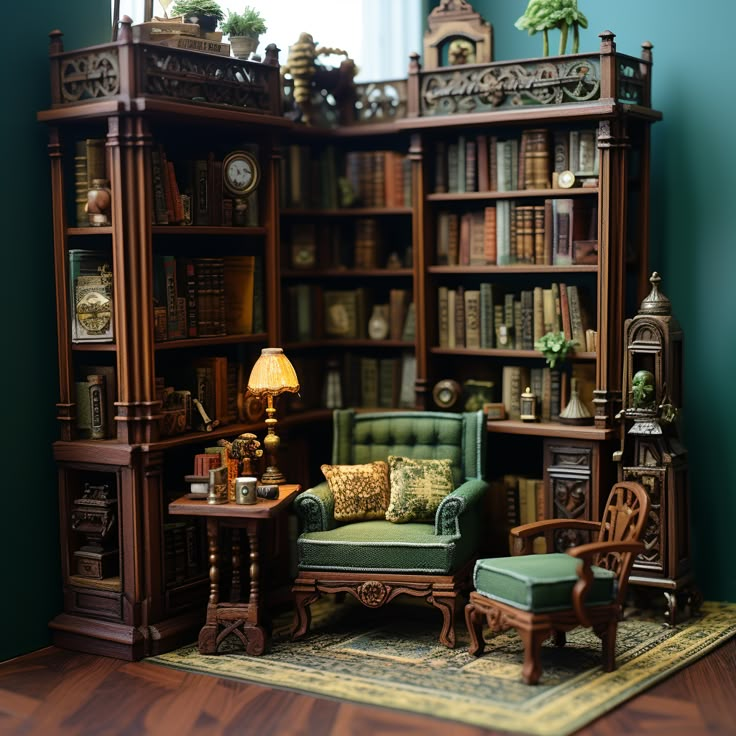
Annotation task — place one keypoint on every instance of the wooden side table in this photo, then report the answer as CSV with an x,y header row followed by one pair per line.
x,y
244,619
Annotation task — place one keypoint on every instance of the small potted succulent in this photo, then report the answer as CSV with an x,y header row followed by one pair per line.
x,y
244,30
207,13
554,347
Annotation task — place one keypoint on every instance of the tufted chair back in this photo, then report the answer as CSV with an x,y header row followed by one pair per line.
x,y
365,437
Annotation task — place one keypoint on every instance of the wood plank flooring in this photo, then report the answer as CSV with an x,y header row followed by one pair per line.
x,y
57,692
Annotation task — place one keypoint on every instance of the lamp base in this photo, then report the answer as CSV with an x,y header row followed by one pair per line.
x,y
272,476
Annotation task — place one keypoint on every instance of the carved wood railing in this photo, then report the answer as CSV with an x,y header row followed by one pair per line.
x,y
126,69
469,88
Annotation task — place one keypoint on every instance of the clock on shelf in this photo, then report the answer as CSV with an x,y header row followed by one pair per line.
x,y
241,173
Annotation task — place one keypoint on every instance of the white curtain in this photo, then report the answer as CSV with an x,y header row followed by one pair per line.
x,y
392,29
378,34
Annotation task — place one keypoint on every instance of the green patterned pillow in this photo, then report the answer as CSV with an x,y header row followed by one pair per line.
x,y
417,487
360,491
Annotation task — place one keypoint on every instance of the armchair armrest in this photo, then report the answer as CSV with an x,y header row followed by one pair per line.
x,y
316,508
523,536
457,510
585,553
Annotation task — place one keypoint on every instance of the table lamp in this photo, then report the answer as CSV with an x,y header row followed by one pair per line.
x,y
272,375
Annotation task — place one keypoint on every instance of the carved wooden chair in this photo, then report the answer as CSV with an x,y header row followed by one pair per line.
x,y
544,594
377,560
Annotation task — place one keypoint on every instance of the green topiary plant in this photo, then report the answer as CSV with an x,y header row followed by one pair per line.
x,y
554,347
546,15
198,8
248,23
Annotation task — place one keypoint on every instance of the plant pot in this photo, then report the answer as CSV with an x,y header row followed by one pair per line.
x,y
243,46
207,23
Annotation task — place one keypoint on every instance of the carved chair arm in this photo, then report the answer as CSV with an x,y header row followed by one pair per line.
x,y
586,553
523,536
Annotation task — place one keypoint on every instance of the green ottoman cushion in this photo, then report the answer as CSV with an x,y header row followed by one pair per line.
x,y
540,583
379,546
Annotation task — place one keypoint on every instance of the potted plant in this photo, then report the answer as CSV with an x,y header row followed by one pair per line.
x,y
207,13
244,30
554,347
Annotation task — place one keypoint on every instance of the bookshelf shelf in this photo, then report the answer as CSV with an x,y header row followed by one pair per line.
x,y
549,429
348,212
192,342
347,273
205,230
516,194
88,231
517,268
499,353
94,347
350,343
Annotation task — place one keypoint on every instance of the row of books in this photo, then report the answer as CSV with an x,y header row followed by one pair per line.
x,y
489,317
315,313
361,243
90,162
184,551
559,232
326,179
190,192
524,502
483,163
357,380
204,297
551,386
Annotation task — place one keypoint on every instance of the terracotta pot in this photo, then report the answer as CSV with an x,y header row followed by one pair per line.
x,y
243,46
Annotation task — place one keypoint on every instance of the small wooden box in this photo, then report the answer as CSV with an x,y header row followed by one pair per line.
x,y
97,565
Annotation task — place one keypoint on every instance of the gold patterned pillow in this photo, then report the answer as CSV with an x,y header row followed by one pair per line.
x,y
417,487
360,491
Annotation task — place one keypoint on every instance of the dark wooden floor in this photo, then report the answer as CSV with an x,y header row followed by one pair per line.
x,y
53,691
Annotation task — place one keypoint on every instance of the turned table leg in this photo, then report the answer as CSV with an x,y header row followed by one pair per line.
x,y
207,642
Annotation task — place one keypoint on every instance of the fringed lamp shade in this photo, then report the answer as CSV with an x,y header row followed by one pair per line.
x,y
273,374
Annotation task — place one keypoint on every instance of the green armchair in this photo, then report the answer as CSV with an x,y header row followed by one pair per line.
x,y
378,560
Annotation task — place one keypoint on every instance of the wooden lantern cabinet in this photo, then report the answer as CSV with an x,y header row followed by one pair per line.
x,y
121,596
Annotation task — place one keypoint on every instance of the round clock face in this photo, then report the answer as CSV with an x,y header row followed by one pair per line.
x,y
241,172
446,393
565,179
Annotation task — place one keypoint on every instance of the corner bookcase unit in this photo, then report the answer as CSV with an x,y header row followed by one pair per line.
x,y
128,112
151,119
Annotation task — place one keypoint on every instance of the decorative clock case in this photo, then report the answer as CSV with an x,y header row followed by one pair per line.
x,y
652,452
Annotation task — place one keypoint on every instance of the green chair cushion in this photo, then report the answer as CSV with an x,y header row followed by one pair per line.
x,y
380,546
540,583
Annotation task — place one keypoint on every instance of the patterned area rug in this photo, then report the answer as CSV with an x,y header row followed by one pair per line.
x,y
391,657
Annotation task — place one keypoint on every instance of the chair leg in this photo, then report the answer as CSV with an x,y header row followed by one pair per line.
x,y
532,668
474,622
608,639
302,613
447,606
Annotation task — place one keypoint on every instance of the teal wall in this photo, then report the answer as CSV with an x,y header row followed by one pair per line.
x,y
29,525
693,234
692,246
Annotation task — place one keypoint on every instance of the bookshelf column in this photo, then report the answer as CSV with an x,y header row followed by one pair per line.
x,y
419,246
66,406
613,143
128,150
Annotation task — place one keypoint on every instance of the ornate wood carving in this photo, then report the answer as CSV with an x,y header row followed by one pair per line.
x,y
477,89
456,34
